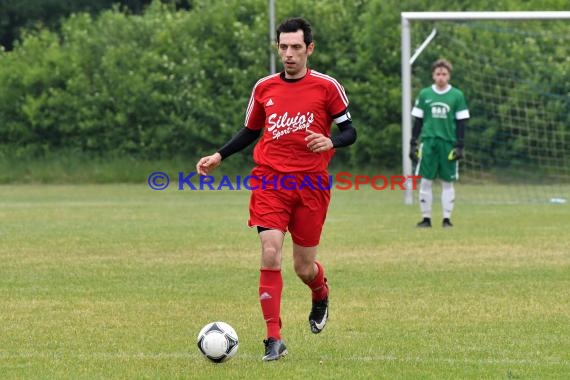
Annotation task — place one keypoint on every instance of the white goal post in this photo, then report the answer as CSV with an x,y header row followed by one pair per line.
x,y
407,61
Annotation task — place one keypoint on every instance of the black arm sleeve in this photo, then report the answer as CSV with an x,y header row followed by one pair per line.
x,y
347,135
240,141
460,132
417,129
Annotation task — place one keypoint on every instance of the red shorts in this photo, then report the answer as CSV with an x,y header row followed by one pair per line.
x,y
297,202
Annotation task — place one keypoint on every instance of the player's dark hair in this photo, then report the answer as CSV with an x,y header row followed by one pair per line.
x,y
441,63
292,25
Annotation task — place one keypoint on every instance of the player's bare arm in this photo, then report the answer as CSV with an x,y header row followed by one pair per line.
x,y
320,143
317,142
206,164
238,142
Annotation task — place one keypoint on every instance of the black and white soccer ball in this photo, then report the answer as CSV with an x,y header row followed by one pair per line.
x,y
218,341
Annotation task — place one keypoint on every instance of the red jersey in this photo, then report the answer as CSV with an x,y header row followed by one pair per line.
x,y
286,109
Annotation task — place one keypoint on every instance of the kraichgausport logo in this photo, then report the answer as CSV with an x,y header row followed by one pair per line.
x,y
341,181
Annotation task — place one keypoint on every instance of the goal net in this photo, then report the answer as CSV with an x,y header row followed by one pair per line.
x,y
516,78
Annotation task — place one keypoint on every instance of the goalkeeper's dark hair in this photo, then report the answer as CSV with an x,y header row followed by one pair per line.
x,y
291,25
442,63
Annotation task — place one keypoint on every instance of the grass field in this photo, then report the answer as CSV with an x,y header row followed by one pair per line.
x,y
115,281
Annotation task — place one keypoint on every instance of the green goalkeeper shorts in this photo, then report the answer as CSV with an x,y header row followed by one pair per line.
x,y
434,160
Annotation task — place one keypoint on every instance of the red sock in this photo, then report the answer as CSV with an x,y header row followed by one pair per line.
x,y
318,286
270,288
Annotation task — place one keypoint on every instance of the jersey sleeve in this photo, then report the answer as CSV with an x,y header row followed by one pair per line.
x,y
417,111
462,110
338,101
255,113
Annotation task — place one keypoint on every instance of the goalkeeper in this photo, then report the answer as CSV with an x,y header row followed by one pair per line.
x,y
441,115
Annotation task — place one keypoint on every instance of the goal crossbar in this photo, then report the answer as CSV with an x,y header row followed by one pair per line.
x,y
451,16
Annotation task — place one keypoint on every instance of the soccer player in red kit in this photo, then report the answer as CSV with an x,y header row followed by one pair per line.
x,y
293,112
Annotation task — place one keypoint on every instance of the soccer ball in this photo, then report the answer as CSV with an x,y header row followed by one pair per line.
x,y
218,341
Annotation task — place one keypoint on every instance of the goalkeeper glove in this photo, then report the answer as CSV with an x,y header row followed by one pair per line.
x,y
414,151
456,153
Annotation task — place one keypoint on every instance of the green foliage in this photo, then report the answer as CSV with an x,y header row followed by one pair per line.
x,y
146,87
171,83
16,15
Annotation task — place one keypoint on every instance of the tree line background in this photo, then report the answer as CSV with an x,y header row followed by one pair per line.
x,y
149,81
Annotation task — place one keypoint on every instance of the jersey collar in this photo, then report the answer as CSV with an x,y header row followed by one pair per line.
x,y
282,76
434,88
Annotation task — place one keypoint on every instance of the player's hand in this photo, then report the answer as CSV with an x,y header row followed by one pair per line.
x,y
414,151
456,154
318,142
208,163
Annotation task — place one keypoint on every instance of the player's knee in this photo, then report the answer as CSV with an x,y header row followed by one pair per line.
x,y
305,271
271,256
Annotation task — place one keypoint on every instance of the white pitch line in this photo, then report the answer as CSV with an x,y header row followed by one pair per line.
x,y
187,355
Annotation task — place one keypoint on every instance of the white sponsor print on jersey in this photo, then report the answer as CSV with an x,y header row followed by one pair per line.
x,y
439,110
280,125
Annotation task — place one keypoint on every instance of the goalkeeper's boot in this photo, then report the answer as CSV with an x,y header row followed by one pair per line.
x,y
425,223
274,349
446,223
319,314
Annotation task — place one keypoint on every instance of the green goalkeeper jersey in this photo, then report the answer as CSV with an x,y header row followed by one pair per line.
x,y
439,110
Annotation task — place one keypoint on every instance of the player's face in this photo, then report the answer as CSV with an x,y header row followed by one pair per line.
x,y
440,77
294,54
